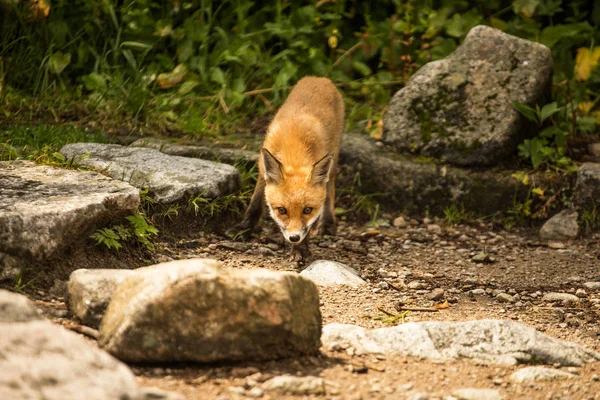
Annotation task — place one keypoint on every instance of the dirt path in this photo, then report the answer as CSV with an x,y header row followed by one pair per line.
x,y
403,268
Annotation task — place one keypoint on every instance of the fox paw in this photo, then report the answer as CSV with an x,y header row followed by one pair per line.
x,y
300,256
327,229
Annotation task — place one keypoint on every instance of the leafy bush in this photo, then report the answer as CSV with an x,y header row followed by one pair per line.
x,y
202,66
139,231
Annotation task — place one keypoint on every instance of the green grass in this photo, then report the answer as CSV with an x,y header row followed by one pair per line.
x,y
35,142
455,214
589,218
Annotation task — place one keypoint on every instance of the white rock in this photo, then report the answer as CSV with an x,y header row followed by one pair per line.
x,y
16,308
539,374
495,341
477,394
566,298
330,273
562,226
89,291
592,285
299,386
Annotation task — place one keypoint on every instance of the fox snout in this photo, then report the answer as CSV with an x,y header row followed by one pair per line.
x,y
295,236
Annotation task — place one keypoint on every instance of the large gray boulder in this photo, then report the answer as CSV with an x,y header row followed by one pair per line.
x,y
497,341
407,183
223,154
460,108
42,361
587,188
44,209
89,291
167,178
196,310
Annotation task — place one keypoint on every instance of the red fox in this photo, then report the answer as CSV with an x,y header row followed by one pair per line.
x,y
298,163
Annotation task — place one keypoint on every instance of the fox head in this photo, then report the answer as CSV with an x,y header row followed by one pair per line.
x,y
295,196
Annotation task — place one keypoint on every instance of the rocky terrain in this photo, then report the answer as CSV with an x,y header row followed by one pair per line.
x,y
407,306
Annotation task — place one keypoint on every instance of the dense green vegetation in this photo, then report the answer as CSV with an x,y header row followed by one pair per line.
x,y
206,69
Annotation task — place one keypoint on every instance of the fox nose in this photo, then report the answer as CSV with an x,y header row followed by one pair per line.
x,y
295,238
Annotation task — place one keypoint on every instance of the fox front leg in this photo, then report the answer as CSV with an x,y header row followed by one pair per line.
x,y
327,224
300,252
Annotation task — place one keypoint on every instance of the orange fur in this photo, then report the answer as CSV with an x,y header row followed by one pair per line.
x,y
307,128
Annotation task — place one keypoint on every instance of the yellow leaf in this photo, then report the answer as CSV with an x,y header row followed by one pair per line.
x,y
443,305
597,115
585,107
332,41
170,79
595,56
539,192
583,64
40,9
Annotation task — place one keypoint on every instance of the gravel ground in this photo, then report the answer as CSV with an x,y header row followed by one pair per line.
x,y
480,272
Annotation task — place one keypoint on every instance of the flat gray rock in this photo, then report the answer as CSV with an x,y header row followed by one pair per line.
x,y
496,341
565,298
89,291
331,273
477,394
42,361
167,178
44,209
197,310
224,155
530,374
296,385
592,285
460,108
562,226
16,308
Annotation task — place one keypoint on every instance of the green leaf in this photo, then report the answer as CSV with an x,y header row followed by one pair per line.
x,y
535,150
94,82
185,50
286,73
596,13
459,24
552,34
498,23
187,87
136,45
549,110
218,76
59,157
400,27
58,62
525,7
526,111
362,68
455,26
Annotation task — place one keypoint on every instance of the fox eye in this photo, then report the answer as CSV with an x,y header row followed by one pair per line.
x,y
281,210
307,210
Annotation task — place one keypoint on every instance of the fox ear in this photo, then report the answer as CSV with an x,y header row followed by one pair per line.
x,y
321,170
273,168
